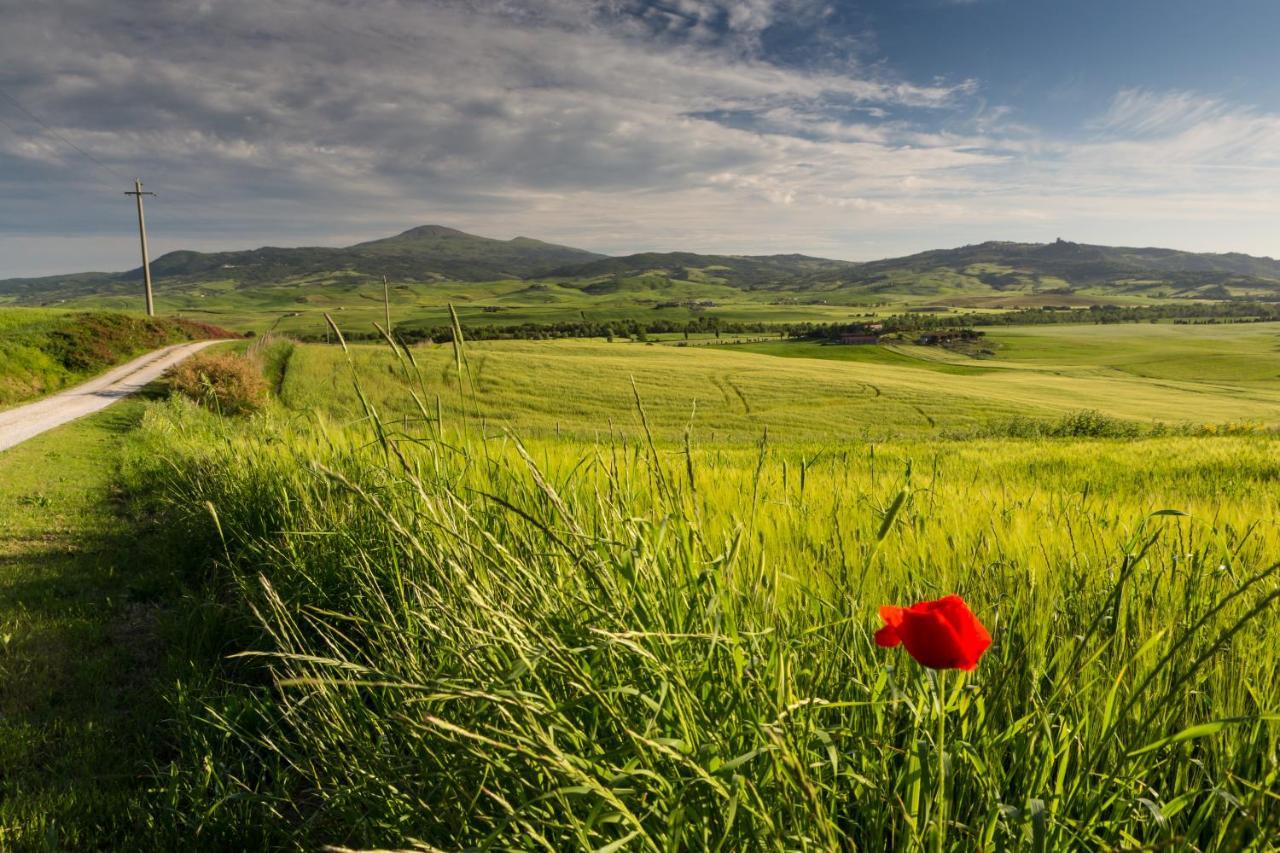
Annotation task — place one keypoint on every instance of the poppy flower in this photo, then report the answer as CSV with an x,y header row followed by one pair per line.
x,y
942,634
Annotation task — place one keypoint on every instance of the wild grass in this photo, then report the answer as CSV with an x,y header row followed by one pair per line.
x,y
226,382
42,350
585,390
450,639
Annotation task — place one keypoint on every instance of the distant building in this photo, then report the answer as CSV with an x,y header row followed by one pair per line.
x,y
948,336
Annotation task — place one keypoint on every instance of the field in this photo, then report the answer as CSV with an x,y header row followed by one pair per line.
x,y
594,595
87,609
298,306
818,393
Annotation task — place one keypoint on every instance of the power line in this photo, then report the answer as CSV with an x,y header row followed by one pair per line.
x,y
89,156
45,145
53,132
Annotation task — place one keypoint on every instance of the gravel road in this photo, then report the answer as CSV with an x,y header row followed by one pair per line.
x,y
23,422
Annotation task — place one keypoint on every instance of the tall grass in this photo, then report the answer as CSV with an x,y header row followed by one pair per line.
x,y
583,388
449,639
44,350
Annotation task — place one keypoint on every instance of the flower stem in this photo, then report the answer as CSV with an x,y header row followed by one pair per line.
x,y
940,741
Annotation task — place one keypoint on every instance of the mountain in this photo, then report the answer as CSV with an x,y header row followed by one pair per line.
x,y
1065,267
744,271
462,256
995,274
427,253
424,253
992,274
1083,264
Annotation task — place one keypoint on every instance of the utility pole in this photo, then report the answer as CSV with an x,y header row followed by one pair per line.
x,y
386,303
137,193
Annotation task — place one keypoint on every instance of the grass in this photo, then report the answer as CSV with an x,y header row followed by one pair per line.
x,y
225,382
45,350
85,601
644,624
928,358
468,642
1237,355
584,389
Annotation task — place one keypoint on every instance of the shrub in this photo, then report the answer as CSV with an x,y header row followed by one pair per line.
x,y
1093,424
225,382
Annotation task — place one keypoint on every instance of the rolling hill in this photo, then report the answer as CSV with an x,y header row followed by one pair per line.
x,y
992,274
743,271
1064,265
427,253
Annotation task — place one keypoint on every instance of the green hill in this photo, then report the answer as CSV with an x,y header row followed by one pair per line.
x,y
1064,267
433,265
743,271
427,253
42,351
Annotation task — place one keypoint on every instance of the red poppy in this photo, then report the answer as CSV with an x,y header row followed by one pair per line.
x,y
942,634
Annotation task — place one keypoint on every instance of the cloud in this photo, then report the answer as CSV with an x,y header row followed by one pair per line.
x,y
330,110
1186,129
615,124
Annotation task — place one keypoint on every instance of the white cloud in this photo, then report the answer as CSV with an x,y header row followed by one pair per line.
x,y
595,122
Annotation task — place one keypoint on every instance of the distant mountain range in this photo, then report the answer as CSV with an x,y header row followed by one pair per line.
x,y
435,253
431,252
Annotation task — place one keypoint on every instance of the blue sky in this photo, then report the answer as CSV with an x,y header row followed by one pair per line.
x,y
846,129
1054,61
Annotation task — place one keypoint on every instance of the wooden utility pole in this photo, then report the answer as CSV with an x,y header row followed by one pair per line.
x,y
386,303
137,193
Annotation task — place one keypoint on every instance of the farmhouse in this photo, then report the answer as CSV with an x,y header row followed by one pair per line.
x,y
861,333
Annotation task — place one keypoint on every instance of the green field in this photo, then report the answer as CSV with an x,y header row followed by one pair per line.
x,y
814,393
617,595
607,642
298,307
513,282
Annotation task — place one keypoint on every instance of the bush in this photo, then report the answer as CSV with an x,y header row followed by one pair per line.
x,y
225,382
1093,424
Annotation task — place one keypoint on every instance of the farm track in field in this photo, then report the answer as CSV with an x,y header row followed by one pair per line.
x,y
724,391
746,404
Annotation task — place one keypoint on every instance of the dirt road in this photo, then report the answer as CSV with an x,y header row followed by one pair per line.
x,y
17,425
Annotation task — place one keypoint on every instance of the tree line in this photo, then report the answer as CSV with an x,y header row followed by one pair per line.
x,y
905,323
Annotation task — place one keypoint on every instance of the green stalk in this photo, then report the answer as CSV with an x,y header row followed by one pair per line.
x,y
940,742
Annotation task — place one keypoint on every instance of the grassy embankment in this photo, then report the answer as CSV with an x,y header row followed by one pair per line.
x,y
587,644
45,350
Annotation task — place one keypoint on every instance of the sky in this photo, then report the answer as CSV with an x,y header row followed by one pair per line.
x,y
837,128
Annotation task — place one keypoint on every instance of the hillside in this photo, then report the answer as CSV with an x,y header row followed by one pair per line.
x,y
1064,265
432,262
743,271
427,253
44,351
